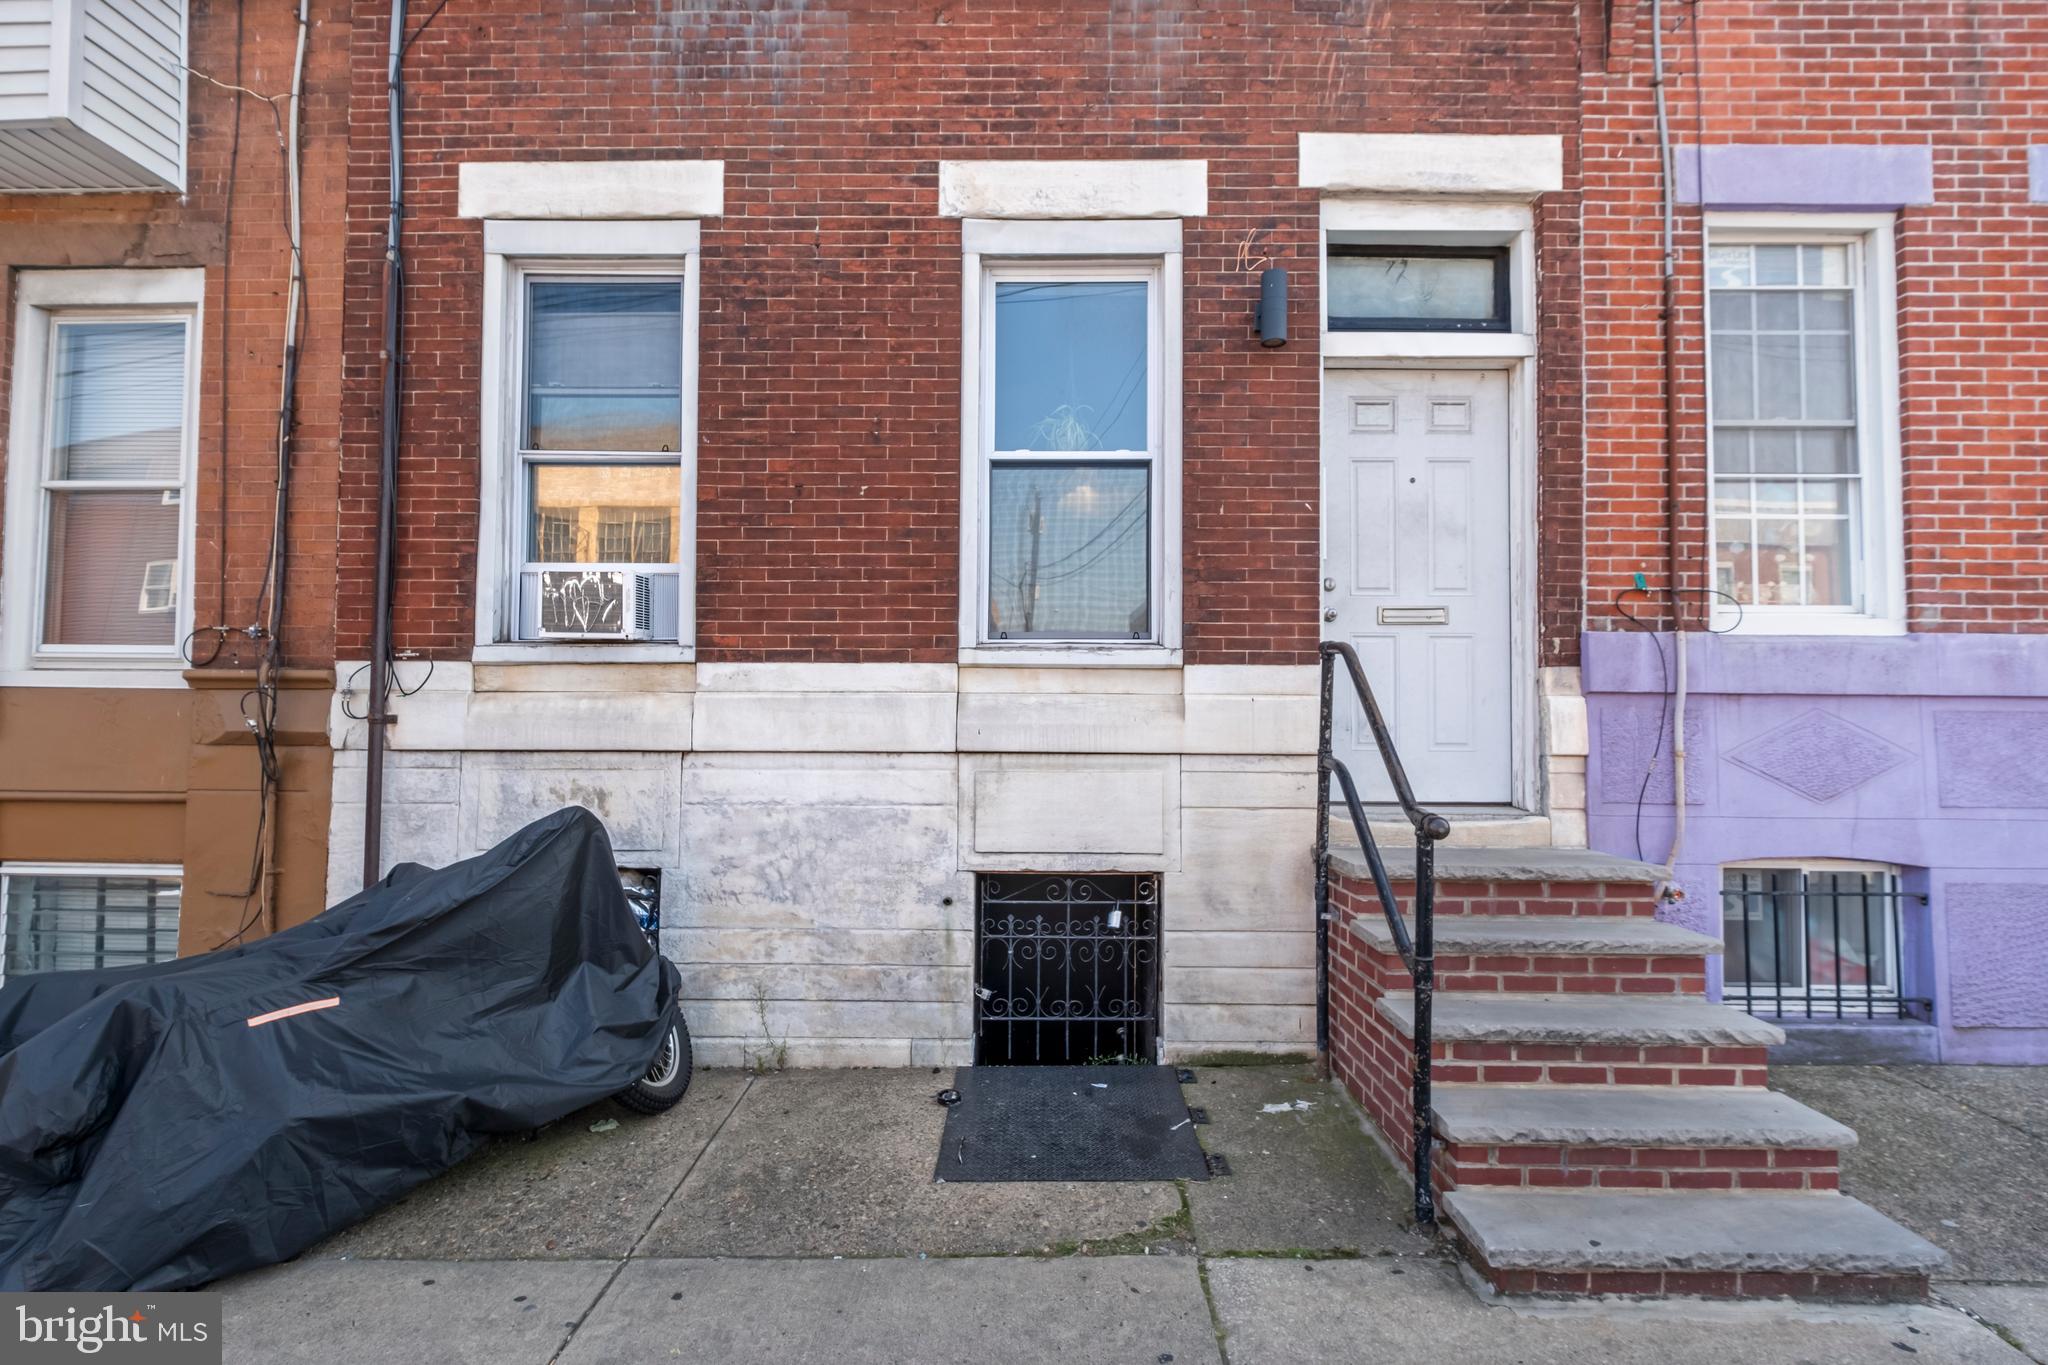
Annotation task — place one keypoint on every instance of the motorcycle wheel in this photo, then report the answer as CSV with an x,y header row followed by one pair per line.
x,y
666,1079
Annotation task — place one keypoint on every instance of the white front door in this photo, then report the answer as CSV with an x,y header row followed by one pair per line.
x,y
1417,575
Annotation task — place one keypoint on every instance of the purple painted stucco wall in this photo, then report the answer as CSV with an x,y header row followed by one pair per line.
x,y
1925,751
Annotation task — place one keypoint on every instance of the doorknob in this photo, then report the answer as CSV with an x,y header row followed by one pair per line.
x,y
1329,613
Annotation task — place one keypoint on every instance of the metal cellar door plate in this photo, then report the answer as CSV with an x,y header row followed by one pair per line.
x,y
1021,1123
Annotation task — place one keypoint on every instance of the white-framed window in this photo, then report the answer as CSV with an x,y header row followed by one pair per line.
x,y
1071,441
58,917
1815,938
1801,375
96,585
589,382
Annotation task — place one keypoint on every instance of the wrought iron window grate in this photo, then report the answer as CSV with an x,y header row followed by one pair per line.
x,y
1067,969
1816,944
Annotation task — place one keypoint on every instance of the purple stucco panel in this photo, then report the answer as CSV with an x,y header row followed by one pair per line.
x,y
1992,759
1927,752
1998,953
1822,176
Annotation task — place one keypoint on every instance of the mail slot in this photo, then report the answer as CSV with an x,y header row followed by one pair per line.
x,y
1415,616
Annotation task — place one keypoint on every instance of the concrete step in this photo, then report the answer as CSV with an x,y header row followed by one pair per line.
x,y
1573,1021
1632,1116
1547,936
1807,1245
1459,863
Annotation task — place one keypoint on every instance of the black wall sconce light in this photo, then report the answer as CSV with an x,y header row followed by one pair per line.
x,y
1273,307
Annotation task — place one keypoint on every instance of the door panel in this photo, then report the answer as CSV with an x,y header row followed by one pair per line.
x,y
1420,575
1372,539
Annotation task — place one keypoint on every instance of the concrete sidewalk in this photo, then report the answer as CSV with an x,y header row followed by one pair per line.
x,y
793,1218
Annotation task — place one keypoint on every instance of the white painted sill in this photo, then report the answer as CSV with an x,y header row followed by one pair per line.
x,y
1805,623
1072,656
540,653
85,671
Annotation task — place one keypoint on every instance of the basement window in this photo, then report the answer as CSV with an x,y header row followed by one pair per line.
x,y
1066,969
69,918
1816,941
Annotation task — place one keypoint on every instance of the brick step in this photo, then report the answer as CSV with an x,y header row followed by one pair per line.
x,y
1584,1040
1541,954
1569,1021
1623,1137
1825,1246
1507,881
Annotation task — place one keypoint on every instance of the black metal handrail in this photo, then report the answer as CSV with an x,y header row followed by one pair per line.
x,y
1419,952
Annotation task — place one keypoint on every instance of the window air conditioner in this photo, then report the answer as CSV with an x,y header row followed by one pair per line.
x,y
596,604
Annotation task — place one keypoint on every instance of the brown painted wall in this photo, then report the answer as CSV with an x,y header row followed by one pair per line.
x,y
162,775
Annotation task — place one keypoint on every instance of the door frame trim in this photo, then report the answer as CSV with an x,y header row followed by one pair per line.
x,y
1524,768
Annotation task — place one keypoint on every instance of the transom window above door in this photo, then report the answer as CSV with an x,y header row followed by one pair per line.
x,y
1070,453
1414,288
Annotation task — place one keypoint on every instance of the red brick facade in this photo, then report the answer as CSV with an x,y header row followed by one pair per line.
x,y
829,429
1962,77
230,220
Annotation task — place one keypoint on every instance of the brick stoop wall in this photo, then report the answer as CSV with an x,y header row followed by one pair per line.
x,y
1575,1059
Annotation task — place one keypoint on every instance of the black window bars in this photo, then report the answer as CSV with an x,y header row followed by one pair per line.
x,y
1817,944
1419,953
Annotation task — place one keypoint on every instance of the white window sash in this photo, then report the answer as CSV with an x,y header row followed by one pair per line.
x,y
1877,547
47,300
517,252
525,458
1152,272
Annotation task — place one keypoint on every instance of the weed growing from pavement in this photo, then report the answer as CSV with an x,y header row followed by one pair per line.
x,y
774,1053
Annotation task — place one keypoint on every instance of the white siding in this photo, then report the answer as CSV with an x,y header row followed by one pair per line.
x,y
24,58
92,94
131,80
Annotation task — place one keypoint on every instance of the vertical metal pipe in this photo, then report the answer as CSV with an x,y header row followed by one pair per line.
x,y
1674,529
387,465
1323,756
1669,223
1425,1003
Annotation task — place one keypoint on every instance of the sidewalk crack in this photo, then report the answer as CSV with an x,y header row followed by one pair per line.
x,y
1969,1108
634,1250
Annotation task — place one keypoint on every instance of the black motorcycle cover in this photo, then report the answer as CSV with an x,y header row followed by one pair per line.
x,y
163,1126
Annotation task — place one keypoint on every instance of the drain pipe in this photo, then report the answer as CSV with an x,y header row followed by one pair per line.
x,y
1669,890
387,468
